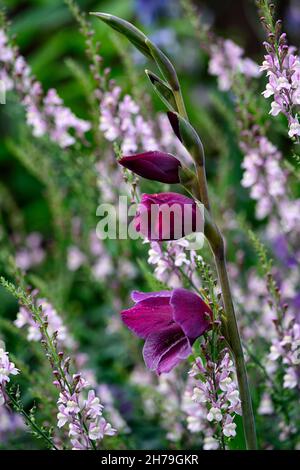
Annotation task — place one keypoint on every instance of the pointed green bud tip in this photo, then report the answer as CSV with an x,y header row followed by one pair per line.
x,y
133,34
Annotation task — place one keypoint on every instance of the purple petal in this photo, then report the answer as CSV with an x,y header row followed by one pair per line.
x,y
167,216
138,296
148,316
165,349
190,312
174,121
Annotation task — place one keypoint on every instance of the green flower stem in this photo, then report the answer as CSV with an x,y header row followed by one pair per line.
x,y
29,421
235,344
230,327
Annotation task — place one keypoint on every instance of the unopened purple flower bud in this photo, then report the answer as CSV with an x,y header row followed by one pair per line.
x,y
167,216
269,47
76,378
282,39
155,165
278,27
271,37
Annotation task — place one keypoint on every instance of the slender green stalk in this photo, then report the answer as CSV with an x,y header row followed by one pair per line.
x,y
230,327
29,421
235,344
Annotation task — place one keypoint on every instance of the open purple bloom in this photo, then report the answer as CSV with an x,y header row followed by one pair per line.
x,y
169,322
167,216
157,166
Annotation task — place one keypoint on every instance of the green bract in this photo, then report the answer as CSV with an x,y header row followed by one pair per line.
x,y
133,34
163,90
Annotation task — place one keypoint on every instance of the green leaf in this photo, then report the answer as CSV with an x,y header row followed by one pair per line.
x,y
163,90
133,34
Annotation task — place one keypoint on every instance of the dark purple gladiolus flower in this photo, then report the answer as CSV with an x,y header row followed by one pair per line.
x,y
157,166
167,216
169,322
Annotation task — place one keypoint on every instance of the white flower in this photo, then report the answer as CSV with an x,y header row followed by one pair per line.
x,y
274,353
282,83
210,443
108,429
266,405
181,259
72,407
95,432
294,129
199,395
229,430
275,109
225,384
194,424
7,368
154,256
214,414
234,398
290,379
269,91
75,258
295,357
62,418
100,428
93,405
162,267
